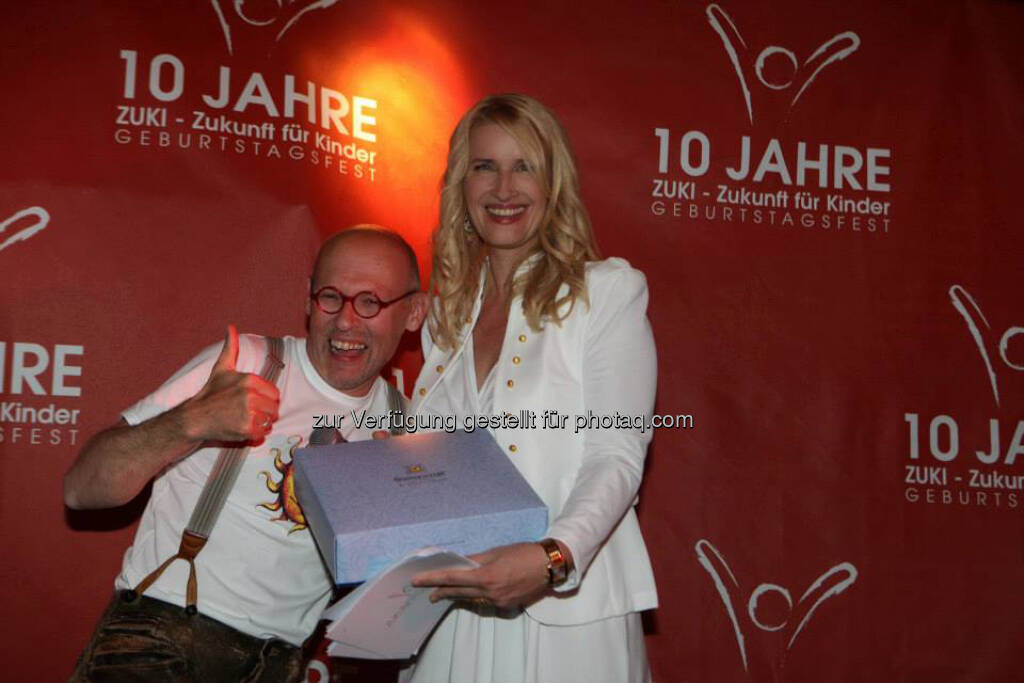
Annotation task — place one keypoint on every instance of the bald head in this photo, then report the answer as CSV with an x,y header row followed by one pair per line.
x,y
362,234
347,349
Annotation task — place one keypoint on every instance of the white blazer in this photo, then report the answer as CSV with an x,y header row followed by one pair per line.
x,y
600,360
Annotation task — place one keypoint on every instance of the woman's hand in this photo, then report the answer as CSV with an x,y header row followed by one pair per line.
x,y
508,576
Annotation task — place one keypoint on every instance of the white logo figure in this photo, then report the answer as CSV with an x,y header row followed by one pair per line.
x,y
956,295
42,220
317,666
234,12
826,586
835,49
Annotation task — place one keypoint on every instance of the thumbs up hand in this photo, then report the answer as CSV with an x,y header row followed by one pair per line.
x,y
228,353
231,406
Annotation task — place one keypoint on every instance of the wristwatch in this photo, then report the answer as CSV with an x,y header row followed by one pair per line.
x,y
558,568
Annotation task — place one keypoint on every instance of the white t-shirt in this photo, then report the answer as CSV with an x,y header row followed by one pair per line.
x,y
260,571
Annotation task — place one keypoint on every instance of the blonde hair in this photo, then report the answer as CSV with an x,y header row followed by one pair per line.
x,y
566,241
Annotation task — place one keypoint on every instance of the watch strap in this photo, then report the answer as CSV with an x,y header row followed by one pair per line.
x,y
558,568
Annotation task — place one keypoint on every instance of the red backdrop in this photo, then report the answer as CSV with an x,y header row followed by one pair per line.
x,y
824,198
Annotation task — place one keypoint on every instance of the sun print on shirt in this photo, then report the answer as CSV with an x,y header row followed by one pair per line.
x,y
284,487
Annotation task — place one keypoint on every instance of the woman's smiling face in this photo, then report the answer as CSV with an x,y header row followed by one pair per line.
x,y
504,197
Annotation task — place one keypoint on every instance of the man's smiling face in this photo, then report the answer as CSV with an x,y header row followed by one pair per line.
x,y
348,351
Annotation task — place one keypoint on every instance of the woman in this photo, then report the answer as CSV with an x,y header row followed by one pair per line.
x,y
526,317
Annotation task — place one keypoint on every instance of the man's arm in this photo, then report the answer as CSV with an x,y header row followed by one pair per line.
x,y
116,463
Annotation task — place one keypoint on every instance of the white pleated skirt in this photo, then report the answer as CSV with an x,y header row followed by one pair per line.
x,y
471,647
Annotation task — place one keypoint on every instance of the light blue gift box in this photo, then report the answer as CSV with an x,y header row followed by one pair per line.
x,y
368,503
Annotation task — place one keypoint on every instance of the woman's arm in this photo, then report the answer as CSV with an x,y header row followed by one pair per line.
x,y
619,376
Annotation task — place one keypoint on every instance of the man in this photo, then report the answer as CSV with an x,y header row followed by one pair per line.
x,y
261,583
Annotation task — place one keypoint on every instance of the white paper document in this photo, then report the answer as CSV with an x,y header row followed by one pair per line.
x,y
387,617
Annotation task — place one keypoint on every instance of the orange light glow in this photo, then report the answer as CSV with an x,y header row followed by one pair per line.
x,y
421,92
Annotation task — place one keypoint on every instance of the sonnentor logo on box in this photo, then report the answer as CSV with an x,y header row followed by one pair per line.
x,y
30,374
418,473
800,185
